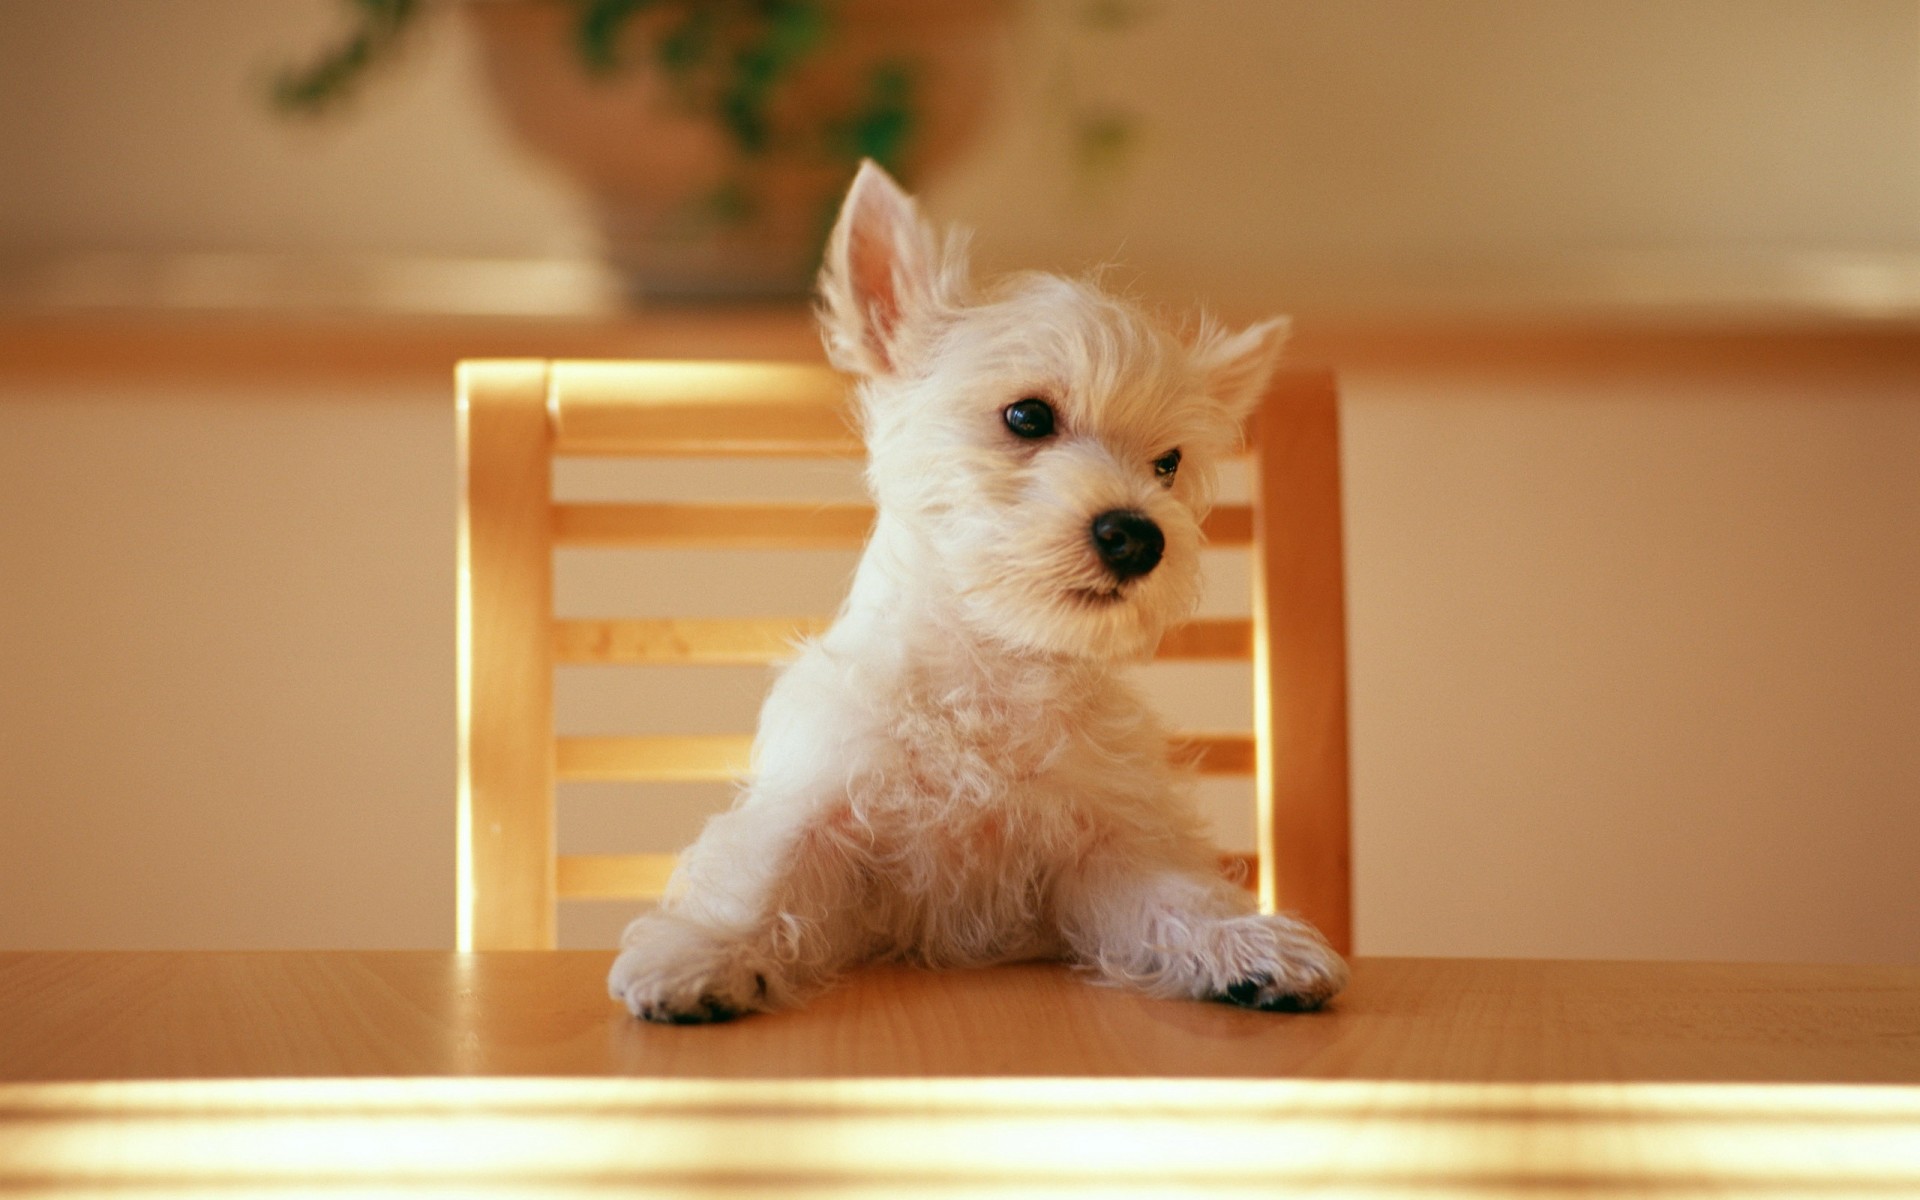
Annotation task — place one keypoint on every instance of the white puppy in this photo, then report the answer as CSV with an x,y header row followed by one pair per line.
x,y
956,773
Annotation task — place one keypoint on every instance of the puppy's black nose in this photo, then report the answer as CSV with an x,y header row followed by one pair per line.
x,y
1128,543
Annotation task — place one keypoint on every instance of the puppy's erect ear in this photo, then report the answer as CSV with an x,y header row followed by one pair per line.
x,y
1238,366
883,282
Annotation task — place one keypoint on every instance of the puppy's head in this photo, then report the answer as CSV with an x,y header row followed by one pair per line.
x,y
1052,447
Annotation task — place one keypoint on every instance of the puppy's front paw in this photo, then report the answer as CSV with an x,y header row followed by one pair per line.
x,y
1261,992
1278,964
674,973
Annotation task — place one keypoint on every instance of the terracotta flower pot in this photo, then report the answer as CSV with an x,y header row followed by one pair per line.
x,y
684,212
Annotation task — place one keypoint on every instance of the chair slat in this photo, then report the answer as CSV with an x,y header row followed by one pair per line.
x,y
747,641
1229,525
706,758
689,409
1226,638
774,526
757,409
1215,753
1241,866
613,876
644,876
733,526
658,758
756,641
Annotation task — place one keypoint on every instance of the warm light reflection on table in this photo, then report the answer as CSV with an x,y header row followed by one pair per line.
x,y
141,1074
1146,1136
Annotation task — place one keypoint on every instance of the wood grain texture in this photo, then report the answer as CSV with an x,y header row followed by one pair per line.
x,y
504,659
313,1014
1300,660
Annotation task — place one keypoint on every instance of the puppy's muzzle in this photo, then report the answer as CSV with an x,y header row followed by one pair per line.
x,y
1128,543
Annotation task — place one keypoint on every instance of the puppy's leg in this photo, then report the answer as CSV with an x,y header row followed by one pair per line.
x,y
1187,932
758,916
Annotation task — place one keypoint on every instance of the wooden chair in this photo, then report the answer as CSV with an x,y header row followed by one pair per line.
x,y
516,416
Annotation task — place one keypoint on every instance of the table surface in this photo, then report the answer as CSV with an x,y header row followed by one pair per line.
x,y
159,1015
354,1073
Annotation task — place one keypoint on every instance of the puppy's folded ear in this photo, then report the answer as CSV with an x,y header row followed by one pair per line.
x,y
885,283
1236,367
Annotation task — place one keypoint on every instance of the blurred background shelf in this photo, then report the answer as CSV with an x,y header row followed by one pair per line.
x,y
257,318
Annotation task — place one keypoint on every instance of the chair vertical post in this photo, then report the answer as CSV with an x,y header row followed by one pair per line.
x,y
505,658
1300,675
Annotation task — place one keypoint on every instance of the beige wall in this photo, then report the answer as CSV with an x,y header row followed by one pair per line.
x,y
226,663
141,125
1634,659
1637,665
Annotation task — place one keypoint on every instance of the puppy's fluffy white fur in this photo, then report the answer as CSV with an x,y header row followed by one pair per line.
x,y
956,773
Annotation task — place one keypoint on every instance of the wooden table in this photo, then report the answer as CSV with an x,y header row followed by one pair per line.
x,y
258,1072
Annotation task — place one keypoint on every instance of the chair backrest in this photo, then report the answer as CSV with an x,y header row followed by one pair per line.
x,y
516,416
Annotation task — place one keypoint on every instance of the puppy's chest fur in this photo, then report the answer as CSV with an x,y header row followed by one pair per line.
x,y
967,744
986,778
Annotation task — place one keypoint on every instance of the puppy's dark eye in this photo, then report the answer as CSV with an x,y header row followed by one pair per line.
x,y
1166,465
1029,418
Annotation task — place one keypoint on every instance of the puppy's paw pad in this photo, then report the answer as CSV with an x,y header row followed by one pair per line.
x,y
1260,992
705,1011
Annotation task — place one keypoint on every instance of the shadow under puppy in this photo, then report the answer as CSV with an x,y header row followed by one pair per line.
x,y
956,773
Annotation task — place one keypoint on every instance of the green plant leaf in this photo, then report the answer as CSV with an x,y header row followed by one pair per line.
x,y
688,44
596,33
377,26
884,124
